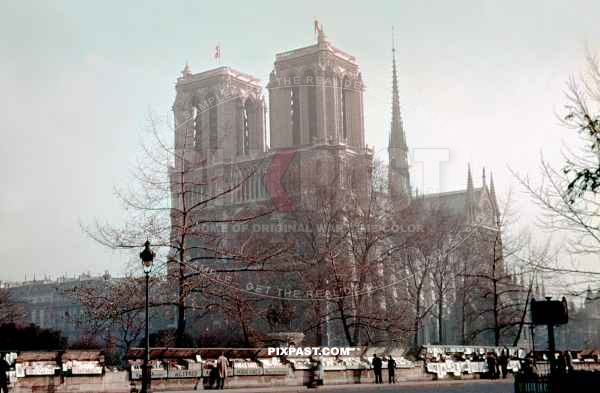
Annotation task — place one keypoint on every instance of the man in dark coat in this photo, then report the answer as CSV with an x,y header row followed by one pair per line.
x,y
377,364
503,362
391,370
492,364
4,368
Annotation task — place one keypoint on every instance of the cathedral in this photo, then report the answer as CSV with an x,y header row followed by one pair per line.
x,y
315,138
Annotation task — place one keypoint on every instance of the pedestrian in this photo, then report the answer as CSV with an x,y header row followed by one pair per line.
x,y
377,364
491,363
313,374
569,361
4,368
391,370
321,371
503,362
561,364
529,366
222,364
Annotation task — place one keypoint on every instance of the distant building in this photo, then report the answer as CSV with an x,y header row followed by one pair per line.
x,y
582,330
51,304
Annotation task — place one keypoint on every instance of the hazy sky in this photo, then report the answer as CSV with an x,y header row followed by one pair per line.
x,y
483,79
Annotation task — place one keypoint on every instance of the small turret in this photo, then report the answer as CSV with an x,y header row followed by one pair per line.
x,y
470,196
469,179
493,199
483,180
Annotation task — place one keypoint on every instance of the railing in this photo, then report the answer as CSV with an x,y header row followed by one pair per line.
x,y
579,381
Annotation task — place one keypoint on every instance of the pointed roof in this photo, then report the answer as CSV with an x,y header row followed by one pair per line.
x,y
470,196
453,201
492,188
493,199
469,179
397,137
397,147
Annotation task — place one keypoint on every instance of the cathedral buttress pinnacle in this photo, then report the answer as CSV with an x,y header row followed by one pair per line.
x,y
470,196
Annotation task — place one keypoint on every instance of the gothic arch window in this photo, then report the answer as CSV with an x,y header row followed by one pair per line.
x,y
197,118
344,107
311,101
210,103
295,114
248,117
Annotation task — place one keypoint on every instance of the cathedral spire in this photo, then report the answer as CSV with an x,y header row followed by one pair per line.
x,y
399,175
397,137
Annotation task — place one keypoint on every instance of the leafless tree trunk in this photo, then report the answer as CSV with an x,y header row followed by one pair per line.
x,y
174,202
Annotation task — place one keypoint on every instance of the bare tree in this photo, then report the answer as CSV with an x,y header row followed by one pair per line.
x,y
343,259
422,258
324,263
568,195
443,273
502,299
176,202
115,307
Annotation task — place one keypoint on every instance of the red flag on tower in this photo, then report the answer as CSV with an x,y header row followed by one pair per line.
x,y
317,27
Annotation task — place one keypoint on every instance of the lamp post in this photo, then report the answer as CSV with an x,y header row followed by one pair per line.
x,y
147,257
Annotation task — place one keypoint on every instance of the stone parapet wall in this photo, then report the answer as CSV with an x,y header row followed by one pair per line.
x,y
118,381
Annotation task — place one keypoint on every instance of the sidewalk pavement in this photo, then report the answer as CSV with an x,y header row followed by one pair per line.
x,y
360,387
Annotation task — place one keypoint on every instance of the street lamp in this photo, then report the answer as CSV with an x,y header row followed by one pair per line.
x,y
147,257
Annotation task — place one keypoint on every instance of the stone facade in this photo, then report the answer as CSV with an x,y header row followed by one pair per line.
x,y
315,110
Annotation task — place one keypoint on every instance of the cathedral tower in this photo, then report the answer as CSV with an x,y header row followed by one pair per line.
x,y
316,96
219,114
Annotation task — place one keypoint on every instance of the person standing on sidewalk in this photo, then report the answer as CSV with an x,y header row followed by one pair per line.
x,y
569,361
377,363
391,369
222,364
4,369
503,363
